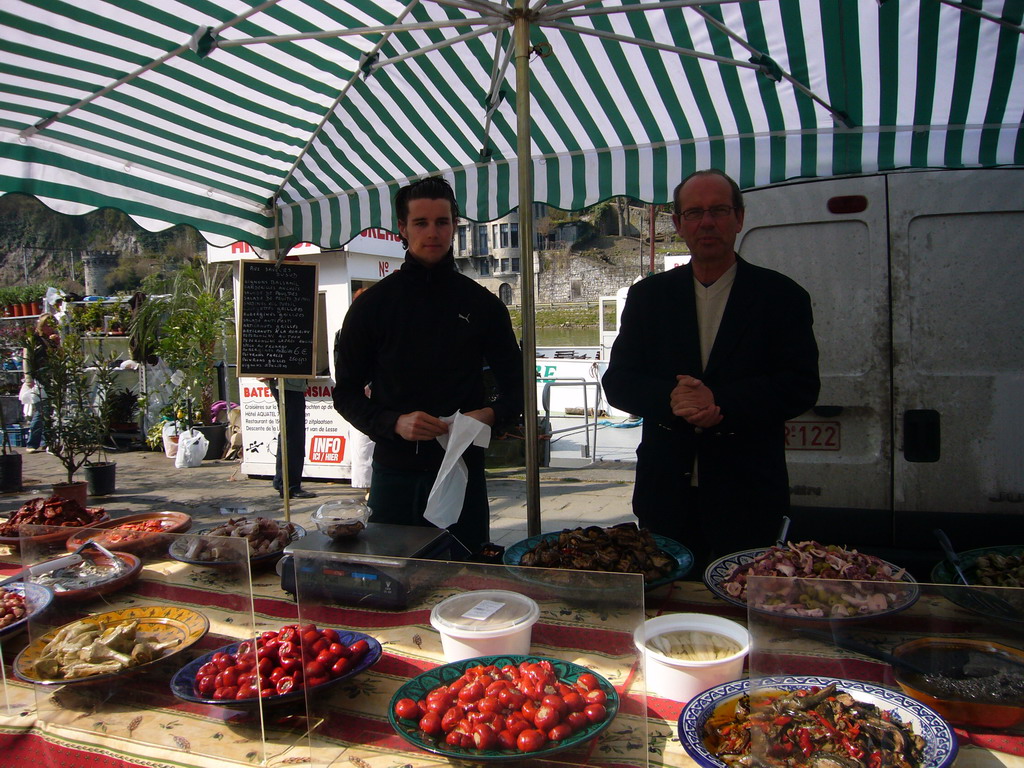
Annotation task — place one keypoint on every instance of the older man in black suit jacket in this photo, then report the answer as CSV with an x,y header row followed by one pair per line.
x,y
715,356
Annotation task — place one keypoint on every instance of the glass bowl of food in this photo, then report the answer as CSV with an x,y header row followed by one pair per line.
x,y
341,518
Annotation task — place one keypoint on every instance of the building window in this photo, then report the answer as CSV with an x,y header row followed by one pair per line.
x,y
515,265
505,293
494,235
462,239
482,237
485,267
539,210
515,235
504,235
504,265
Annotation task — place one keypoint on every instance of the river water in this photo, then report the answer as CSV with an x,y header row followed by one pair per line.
x,y
567,337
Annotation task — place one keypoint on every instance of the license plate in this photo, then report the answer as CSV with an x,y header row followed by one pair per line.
x,y
812,436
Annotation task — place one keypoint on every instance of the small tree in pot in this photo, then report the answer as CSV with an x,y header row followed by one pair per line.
x,y
72,426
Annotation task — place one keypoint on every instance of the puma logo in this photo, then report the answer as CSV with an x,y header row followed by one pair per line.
x,y
464,317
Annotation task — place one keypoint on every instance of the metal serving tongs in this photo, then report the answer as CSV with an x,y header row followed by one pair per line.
x,y
65,561
780,540
974,598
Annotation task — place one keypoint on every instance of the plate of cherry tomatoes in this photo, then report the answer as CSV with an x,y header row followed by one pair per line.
x,y
493,709
275,668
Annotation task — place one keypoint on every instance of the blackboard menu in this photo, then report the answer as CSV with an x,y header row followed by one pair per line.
x,y
277,329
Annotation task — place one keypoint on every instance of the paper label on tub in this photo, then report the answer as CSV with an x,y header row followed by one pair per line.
x,y
483,610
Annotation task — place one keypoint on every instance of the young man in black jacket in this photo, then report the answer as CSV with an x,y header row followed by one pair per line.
x,y
421,338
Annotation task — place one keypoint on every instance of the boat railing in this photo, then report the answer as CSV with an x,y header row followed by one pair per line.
x,y
588,427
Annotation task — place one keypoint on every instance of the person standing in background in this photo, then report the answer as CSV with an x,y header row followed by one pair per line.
x,y
715,356
295,428
420,339
45,337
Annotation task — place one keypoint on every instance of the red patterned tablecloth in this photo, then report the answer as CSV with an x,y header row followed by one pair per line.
x,y
139,723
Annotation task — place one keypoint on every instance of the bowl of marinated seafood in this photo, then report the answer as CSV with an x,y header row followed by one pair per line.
x,y
812,582
106,645
996,570
263,539
341,518
134,533
797,721
66,514
687,653
21,603
95,574
969,682
620,548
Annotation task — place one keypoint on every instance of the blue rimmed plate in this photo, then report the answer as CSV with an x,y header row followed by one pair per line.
x,y
422,684
684,557
906,590
940,740
183,683
37,599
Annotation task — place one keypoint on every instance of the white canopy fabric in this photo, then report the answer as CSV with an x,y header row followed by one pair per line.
x,y
296,120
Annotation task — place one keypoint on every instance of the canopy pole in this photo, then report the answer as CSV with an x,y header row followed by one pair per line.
x,y
521,30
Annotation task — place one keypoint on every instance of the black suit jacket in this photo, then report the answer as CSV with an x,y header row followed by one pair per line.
x,y
763,370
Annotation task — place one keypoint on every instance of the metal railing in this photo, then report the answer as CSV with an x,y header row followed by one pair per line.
x,y
591,444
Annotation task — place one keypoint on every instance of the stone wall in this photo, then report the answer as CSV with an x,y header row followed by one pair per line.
x,y
582,279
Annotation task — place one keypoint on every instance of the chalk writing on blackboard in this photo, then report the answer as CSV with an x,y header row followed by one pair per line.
x,y
277,328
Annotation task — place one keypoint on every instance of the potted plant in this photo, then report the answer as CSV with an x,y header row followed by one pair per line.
x,y
6,300
101,475
196,317
72,426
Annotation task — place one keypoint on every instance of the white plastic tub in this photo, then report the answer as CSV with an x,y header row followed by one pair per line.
x,y
681,680
485,622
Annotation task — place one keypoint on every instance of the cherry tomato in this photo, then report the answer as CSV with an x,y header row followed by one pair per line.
x,y
574,702
472,692
596,696
484,737
546,718
227,692
430,724
560,731
587,682
337,648
341,666
205,685
529,710
577,720
276,674
595,712
321,644
311,681
246,692
315,669
209,668
551,700
285,684
489,704
359,648
506,740
530,740
451,718
330,634
407,709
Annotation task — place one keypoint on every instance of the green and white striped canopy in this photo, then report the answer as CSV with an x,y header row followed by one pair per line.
x,y
295,120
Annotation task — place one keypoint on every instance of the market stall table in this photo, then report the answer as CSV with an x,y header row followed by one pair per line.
x,y
137,721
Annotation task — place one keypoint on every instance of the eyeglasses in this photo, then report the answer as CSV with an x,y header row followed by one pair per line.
x,y
715,211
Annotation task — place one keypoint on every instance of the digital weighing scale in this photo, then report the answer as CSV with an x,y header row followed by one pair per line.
x,y
367,570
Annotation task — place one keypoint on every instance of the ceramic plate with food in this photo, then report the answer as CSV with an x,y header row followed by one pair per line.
x,y
264,539
1000,568
804,584
21,603
660,559
118,642
712,726
593,704
94,576
198,680
53,511
134,533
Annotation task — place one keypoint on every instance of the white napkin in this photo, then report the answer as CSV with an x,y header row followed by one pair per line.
x,y
444,504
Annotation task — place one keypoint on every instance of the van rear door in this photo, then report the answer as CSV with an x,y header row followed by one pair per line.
x,y
831,237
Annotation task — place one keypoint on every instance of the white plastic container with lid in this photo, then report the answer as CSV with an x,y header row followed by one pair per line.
x,y
681,680
485,622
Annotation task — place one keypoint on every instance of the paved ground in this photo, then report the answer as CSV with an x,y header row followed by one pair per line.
x,y
597,494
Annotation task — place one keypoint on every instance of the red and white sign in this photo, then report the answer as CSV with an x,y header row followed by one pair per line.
x,y
326,449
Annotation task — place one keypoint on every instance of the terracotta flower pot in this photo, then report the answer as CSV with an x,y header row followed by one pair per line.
x,y
76,491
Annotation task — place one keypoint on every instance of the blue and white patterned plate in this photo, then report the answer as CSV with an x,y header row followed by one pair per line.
x,y
940,740
718,571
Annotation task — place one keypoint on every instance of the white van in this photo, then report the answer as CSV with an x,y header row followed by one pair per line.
x,y
917,281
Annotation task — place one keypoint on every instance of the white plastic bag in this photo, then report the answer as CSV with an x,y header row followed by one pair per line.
x,y
192,447
444,504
